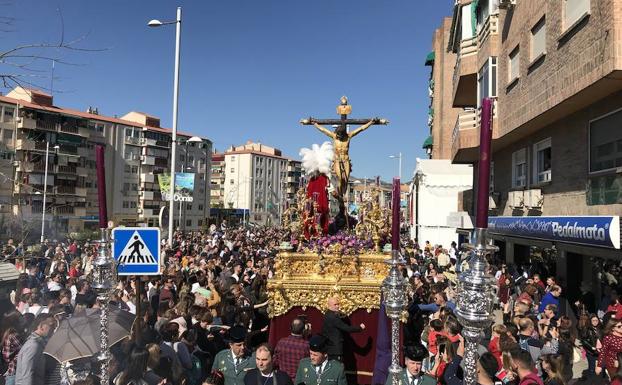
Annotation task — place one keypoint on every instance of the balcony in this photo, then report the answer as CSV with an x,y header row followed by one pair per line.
x,y
82,171
148,160
132,140
465,75
47,125
490,28
150,213
26,123
69,128
68,169
147,178
65,190
26,144
68,149
465,137
149,195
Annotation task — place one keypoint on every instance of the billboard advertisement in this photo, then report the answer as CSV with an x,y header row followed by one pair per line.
x,y
184,186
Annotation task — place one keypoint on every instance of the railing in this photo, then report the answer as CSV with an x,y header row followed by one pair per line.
x,y
132,140
490,27
66,149
67,169
494,112
69,128
468,47
64,210
40,145
47,125
65,190
466,120
40,167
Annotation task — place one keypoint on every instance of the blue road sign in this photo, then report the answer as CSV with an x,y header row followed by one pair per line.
x,y
137,250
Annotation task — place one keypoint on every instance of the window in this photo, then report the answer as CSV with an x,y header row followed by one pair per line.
x,y
606,142
487,80
188,206
134,169
126,204
126,168
134,186
7,134
9,112
574,10
200,222
513,65
519,168
133,205
232,170
231,181
538,40
542,161
200,208
189,223
126,187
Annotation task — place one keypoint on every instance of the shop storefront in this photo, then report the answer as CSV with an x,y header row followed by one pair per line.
x,y
573,242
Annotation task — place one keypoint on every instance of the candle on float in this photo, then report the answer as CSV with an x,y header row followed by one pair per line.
x,y
101,186
483,177
395,217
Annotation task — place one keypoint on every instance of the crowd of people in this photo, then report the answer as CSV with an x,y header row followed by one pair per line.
x,y
538,334
205,321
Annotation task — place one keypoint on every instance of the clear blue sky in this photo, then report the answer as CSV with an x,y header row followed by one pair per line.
x,y
250,69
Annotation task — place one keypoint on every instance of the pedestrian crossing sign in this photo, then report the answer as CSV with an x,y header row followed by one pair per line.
x,y
137,250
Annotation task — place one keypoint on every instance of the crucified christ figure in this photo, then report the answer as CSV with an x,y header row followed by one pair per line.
x,y
341,161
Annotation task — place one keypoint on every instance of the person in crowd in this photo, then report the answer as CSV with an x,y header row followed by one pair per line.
x,y
526,340
412,373
611,346
11,345
265,371
549,313
552,366
30,368
523,366
318,368
551,297
487,367
617,377
590,335
333,328
134,372
291,349
235,361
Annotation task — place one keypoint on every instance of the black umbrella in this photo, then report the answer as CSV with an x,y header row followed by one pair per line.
x,y
80,337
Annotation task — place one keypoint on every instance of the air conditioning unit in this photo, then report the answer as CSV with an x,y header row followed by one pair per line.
x,y
533,198
515,199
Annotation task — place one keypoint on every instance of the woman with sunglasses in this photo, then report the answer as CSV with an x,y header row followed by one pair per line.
x,y
590,335
612,346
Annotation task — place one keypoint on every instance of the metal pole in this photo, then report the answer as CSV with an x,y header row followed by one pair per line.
x,y
45,189
174,134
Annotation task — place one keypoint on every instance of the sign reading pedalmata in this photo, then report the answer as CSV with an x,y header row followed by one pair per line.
x,y
184,186
603,231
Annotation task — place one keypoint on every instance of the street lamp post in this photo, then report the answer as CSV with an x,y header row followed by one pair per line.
x,y
398,156
45,188
177,22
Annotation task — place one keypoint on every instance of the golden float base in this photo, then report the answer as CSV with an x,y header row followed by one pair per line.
x,y
309,279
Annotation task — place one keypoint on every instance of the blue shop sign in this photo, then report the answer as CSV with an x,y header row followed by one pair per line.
x,y
602,231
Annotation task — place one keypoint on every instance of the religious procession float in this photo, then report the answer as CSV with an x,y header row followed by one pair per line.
x,y
330,253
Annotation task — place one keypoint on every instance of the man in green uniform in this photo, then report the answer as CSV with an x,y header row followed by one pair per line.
x,y
317,368
412,374
235,361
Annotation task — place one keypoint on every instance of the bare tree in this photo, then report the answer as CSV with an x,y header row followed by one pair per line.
x,y
22,65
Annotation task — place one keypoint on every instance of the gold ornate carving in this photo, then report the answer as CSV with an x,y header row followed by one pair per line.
x,y
309,279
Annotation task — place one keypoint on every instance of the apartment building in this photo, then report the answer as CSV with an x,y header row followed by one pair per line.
x,y
31,126
217,188
554,70
259,179
441,113
142,152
